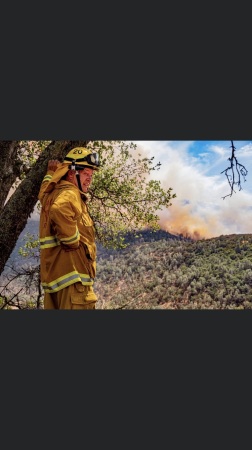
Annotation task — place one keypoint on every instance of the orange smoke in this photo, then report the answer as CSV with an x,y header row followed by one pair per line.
x,y
179,220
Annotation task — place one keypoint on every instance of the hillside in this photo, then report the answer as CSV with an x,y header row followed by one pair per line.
x,y
162,271
178,274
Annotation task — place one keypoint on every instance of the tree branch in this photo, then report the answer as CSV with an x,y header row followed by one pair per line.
x,y
234,172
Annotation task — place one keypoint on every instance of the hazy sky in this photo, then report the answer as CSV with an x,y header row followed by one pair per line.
x,y
193,169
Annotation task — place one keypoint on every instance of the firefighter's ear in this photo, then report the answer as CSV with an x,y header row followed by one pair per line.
x,y
70,174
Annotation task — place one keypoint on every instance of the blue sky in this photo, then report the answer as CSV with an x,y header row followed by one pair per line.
x,y
193,169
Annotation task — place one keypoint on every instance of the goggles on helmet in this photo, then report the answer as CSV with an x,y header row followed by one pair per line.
x,y
92,159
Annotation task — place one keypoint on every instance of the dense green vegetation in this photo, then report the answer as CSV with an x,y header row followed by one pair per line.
x,y
178,274
158,271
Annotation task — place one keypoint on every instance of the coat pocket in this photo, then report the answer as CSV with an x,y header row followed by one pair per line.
x,y
83,297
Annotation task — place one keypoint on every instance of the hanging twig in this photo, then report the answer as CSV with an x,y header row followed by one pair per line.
x,y
234,172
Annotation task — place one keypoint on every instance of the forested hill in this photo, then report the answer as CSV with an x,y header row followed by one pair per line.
x,y
176,273
159,270
141,237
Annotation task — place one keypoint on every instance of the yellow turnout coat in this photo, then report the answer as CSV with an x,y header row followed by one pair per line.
x,y
67,237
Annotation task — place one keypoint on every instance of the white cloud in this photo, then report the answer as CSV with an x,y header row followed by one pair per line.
x,y
199,208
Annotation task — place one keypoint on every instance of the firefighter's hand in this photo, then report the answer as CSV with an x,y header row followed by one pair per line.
x,y
53,164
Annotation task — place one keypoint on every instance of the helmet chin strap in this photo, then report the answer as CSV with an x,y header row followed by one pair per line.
x,y
72,167
78,180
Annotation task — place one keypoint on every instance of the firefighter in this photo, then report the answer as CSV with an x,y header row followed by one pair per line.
x,y
66,232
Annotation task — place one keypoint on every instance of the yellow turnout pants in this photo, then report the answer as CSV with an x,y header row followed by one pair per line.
x,y
75,296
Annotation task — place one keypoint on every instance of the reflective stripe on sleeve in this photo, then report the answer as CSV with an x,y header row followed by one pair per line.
x,y
71,239
47,178
48,242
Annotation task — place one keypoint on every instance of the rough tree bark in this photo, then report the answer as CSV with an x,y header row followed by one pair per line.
x,y
15,213
9,168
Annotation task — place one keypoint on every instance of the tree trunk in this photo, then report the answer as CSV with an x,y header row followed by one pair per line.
x,y
15,213
9,168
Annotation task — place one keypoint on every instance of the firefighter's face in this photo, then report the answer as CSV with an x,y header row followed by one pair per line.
x,y
86,176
